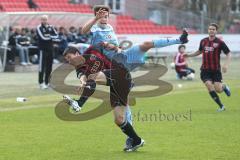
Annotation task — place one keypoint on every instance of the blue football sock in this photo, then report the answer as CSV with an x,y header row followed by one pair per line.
x,y
129,120
129,114
165,42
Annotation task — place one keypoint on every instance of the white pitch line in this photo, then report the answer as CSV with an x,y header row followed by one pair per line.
x,y
23,108
42,106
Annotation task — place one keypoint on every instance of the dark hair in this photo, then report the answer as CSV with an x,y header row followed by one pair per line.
x,y
24,30
96,8
180,46
60,28
70,50
214,25
71,28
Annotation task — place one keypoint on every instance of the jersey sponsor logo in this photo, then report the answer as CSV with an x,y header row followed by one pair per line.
x,y
208,49
93,57
95,67
108,36
215,45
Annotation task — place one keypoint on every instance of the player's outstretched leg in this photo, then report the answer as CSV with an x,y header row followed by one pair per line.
x,y
136,54
165,42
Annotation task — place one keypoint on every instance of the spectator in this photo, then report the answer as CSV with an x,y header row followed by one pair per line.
x,y
63,40
34,37
82,38
72,35
181,65
12,45
15,47
32,5
75,1
22,43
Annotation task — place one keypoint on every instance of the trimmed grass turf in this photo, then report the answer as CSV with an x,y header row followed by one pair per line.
x,y
31,130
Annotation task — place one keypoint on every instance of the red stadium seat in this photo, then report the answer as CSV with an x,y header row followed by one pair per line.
x,y
125,24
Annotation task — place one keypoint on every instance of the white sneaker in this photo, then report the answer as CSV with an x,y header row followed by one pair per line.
x,y
221,109
72,103
43,86
23,63
47,85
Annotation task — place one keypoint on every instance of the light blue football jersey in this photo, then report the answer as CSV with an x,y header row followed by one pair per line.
x,y
106,34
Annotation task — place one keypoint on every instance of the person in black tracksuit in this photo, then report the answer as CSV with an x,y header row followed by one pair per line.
x,y
46,34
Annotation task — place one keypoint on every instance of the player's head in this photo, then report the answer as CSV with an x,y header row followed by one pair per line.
x,y
181,48
44,19
212,29
106,9
73,56
96,8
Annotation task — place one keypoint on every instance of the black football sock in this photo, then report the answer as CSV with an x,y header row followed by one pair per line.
x,y
88,90
127,128
216,98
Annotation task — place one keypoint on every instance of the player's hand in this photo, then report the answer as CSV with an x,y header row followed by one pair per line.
x,y
109,46
80,88
224,68
100,14
83,80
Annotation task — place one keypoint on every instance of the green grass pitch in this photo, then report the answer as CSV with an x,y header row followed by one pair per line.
x,y
31,130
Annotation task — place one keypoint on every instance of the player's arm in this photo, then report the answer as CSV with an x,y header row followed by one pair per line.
x,y
87,27
54,35
227,62
83,80
110,46
227,52
200,49
193,54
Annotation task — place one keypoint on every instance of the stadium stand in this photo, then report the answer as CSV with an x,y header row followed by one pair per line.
x,y
128,25
125,24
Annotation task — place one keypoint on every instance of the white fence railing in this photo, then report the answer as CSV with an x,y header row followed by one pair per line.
x,y
32,20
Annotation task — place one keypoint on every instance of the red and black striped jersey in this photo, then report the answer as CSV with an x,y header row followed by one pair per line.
x,y
96,61
211,51
180,62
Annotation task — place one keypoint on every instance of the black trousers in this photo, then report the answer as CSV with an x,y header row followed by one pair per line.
x,y
11,54
45,64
